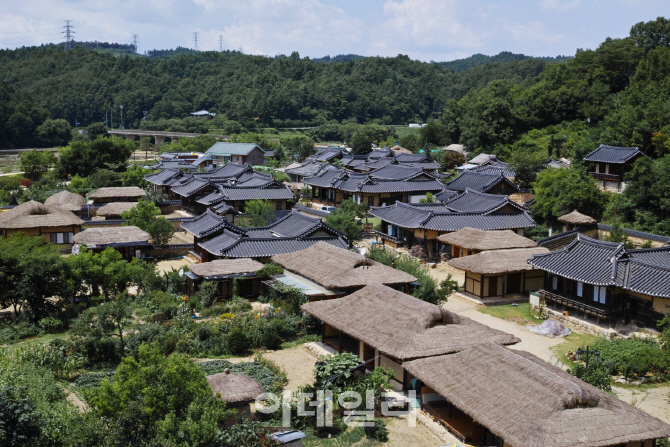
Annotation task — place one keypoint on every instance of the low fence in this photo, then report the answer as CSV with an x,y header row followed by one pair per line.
x,y
177,249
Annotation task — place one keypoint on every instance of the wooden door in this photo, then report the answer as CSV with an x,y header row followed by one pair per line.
x,y
493,286
368,355
457,252
514,283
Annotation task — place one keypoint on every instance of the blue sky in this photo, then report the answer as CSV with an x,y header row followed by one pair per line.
x,y
439,30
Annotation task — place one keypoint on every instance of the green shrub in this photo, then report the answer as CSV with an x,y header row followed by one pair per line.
x,y
206,293
238,342
18,330
269,270
91,380
214,311
19,421
283,328
633,356
377,431
336,371
271,340
51,325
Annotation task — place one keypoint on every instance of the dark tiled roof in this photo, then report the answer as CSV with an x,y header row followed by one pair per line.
x,y
307,169
328,154
270,191
446,195
612,154
211,199
231,245
352,161
162,177
584,259
374,185
493,169
379,153
324,178
224,208
229,170
396,172
208,223
294,224
472,201
430,217
191,187
375,164
610,264
558,241
478,181
416,181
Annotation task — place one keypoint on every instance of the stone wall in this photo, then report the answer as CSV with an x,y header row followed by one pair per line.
x,y
637,241
577,324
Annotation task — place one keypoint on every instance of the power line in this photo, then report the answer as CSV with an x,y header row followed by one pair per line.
x,y
221,44
195,39
68,33
135,42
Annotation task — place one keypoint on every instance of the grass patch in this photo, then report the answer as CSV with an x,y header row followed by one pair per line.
x,y
352,436
517,314
37,340
301,341
572,343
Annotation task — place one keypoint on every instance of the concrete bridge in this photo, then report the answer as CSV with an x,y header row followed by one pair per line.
x,y
160,137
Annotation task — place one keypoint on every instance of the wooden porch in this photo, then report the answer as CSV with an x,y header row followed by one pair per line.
x,y
578,306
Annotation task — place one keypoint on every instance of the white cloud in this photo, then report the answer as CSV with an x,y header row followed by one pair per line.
x,y
534,31
560,5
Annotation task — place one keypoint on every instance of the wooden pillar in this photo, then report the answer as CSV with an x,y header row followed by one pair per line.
x,y
339,342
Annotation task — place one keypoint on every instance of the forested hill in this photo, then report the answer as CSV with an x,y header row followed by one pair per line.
x,y
504,56
284,92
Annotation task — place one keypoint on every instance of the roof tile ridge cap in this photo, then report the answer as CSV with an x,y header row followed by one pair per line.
x,y
646,264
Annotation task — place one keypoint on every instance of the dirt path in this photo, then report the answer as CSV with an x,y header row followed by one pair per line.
x,y
402,435
533,343
298,363
655,401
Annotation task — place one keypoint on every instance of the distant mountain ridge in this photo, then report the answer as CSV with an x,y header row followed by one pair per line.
x,y
504,56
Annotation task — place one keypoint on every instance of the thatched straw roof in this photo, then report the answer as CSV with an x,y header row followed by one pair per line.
x,y
577,218
529,402
125,191
498,261
111,235
115,208
66,201
474,239
334,267
223,267
36,215
400,150
235,388
402,326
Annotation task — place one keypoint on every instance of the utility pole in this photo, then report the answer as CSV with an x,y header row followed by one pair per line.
x,y
195,39
135,42
111,118
221,44
68,33
121,126
106,119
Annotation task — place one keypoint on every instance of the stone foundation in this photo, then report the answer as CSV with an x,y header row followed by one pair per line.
x,y
579,325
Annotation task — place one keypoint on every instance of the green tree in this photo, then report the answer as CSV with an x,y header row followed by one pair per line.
x,y
559,191
429,198
35,164
85,157
96,129
104,320
146,216
526,165
134,176
344,219
89,273
53,133
259,213
168,397
301,146
31,274
451,160
20,422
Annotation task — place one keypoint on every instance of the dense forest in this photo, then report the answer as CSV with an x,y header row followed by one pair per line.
x,y
288,91
504,56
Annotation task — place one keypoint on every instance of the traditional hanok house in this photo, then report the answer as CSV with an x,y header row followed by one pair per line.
x,y
494,169
481,160
240,153
181,165
354,162
397,150
607,281
307,169
35,219
294,232
68,201
238,391
117,194
130,241
328,154
490,395
483,182
472,201
333,187
387,328
193,190
417,161
445,195
610,164
261,187
575,219
422,223
113,210
229,274
340,270
498,273
207,226
470,241
162,179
